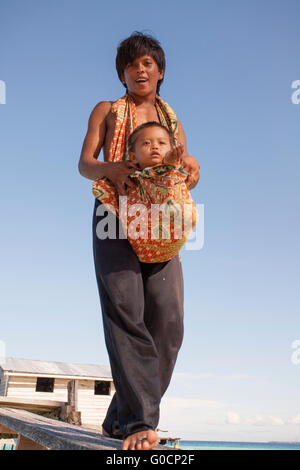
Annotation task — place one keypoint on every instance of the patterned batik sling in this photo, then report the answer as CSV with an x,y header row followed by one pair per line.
x,y
158,215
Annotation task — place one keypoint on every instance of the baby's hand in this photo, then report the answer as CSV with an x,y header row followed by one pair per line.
x,y
174,155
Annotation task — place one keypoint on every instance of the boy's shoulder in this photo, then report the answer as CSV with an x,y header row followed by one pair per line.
x,y
103,106
102,111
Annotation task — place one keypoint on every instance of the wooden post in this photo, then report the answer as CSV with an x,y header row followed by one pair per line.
x,y
69,412
6,380
73,394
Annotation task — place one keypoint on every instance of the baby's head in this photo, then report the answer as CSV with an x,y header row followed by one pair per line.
x,y
149,143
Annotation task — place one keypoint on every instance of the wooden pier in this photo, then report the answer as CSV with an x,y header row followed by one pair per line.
x,y
36,432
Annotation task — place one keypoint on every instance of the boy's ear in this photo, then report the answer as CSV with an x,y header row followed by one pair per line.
x,y
161,74
123,79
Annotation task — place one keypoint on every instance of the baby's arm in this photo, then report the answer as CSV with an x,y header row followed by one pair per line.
x,y
174,155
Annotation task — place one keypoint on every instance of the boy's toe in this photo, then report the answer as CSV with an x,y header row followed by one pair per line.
x,y
139,444
141,441
132,444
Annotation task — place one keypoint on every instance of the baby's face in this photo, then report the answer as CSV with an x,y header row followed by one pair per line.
x,y
151,146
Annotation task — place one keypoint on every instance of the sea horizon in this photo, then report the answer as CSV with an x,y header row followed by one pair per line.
x,y
185,444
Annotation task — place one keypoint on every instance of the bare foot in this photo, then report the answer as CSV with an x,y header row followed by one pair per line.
x,y
142,440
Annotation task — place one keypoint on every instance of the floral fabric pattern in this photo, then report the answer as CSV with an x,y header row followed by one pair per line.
x,y
160,213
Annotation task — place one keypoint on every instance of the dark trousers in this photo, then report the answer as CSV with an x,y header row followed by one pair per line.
x,y
142,312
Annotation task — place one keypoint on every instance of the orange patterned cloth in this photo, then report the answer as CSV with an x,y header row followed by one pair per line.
x,y
158,215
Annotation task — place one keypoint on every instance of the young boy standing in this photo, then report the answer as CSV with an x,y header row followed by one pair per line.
x,y
142,303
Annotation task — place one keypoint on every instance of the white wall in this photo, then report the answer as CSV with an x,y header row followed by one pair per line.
x,y
93,407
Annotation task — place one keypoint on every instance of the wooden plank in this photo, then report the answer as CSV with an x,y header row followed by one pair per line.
x,y
27,444
30,404
57,435
6,433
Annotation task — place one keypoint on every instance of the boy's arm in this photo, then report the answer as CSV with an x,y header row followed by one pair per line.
x,y
89,166
189,163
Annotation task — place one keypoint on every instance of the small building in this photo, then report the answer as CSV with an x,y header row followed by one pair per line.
x,y
44,380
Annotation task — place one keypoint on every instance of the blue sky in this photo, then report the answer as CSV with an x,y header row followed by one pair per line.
x,y
230,68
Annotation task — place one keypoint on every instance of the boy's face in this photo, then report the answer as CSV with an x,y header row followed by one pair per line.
x,y
141,76
151,146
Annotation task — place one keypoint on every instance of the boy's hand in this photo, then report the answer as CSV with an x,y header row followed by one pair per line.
x,y
191,165
118,173
174,155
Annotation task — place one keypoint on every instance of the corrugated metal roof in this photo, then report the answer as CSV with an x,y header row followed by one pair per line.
x,y
32,366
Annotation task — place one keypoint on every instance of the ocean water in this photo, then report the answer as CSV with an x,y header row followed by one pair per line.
x,y
219,445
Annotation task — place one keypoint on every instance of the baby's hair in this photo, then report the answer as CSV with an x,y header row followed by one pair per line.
x,y
137,45
133,136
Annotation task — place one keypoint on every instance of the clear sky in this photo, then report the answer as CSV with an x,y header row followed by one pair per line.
x,y
229,75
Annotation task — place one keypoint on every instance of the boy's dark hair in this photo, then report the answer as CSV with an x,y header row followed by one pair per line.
x,y
137,45
133,136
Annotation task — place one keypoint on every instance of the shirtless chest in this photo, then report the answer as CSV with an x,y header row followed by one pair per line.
x,y
142,115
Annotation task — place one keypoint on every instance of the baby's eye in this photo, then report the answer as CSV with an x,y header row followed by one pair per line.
x,y
162,142
146,142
